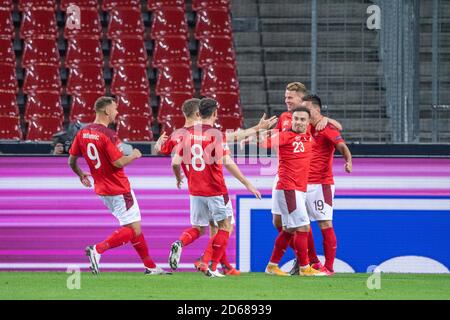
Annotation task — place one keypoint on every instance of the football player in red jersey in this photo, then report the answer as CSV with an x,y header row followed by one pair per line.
x,y
203,151
294,149
101,148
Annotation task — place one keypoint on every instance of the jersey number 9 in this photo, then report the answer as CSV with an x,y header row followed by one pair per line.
x,y
92,153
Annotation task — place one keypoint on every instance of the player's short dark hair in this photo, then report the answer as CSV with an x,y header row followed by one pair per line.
x,y
207,107
301,109
102,102
190,106
314,99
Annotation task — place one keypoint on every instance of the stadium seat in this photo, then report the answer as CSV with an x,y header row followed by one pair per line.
x,y
229,103
170,50
7,55
174,78
134,128
8,104
84,51
128,51
43,128
38,23
130,78
90,26
113,4
200,4
213,21
43,104
40,51
225,122
85,78
41,77
10,128
171,123
31,4
125,22
79,3
134,103
82,106
156,4
171,105
169,22
219,78
6,5
6,25
216,49
8,79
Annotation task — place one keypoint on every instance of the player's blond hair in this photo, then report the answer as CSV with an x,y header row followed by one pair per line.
x,y
298,87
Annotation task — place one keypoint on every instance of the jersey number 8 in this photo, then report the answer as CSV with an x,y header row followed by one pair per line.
x,y
198,164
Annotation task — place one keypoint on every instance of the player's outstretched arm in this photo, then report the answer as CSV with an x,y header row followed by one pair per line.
x,y
176,167
84,176
126,160
345,151
324,121
235,172
264,124
162,138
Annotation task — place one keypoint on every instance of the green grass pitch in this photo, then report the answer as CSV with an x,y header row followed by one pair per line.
x,y
195,286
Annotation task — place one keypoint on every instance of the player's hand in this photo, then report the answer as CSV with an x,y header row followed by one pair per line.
x,y
162,138
348,167
84,178
136,154
322,124
179,183
253,190
267,123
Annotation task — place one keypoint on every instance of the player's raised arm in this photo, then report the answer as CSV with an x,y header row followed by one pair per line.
x,y
126,160
345,151
162,138
84,176
264,124
235,172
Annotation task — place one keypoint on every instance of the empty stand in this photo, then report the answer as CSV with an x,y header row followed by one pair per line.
x,y
216,50
6,25
85,78
38,23
8,104
229,104
113,4
213,21
169,22
134,103
200,4
219,78
84,51
82,106
130,78
156,4
226,122
170,50
30,4
134,128
10,128
43,128
40,51
175,78
89,25
39,77
125,22
128,51
79,3
8,79
6,5
171,123
171,104
44,104
7,55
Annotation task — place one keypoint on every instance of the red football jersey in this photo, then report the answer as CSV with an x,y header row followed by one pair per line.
x,y
202,151
294,157
99,147
324,145
174,140
284,122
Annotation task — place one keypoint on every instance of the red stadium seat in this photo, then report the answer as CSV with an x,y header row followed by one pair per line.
x,y
42,78
6,25
156,4
200,4
31,4
82,106
175,78
85,78
171,123
134,103
84,51
171,105
90,26
219,78
225,122
125,22
43,128
41,51
216,50
8,104
79,3
170,50
8,79
128,51
112,4
43,104
169,22
129,78
134,128
213,21
6,5
10,128
38,23
229,104
7,55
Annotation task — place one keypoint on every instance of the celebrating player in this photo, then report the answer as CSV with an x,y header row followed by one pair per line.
x,y
100,147
294,153
203,151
